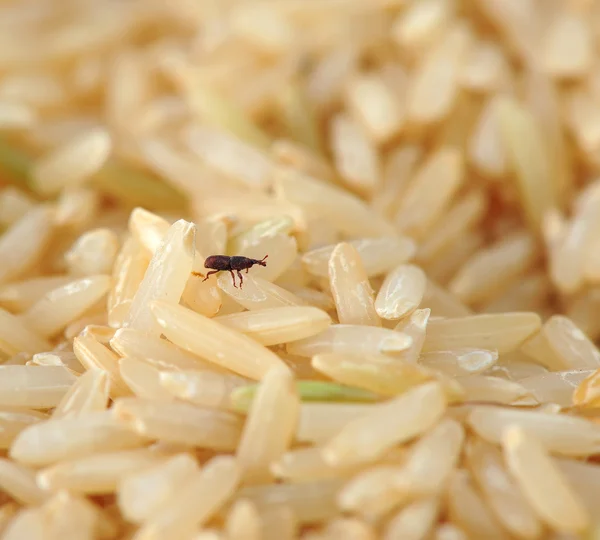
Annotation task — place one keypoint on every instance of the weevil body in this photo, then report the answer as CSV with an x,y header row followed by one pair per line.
x,y
224,263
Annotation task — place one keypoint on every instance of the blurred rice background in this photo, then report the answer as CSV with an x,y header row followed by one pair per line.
x,y
418,358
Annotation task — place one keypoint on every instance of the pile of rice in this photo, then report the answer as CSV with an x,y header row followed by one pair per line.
x,y
416,361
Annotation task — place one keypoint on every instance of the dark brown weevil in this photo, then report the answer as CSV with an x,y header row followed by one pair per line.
x,y
224,263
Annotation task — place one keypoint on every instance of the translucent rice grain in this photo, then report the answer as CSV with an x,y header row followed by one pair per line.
x,y
97,474
457,362
568,49
502,332
582,477
371,493
434,86
143,493
301,158
180,423
401,292
128,272
398,420
278,325
375,105
270,425
204,388
486,151
460,217
19,482
430,192
59,358
397,170
94,355
500,491
562,345
24,242
21,295
319,422
16,336
57,308
258,294
33,386
73,163
380,374
282,250
157,352
350,287
166,276
468,510
542,483
309,502
527,294
93,253
475,282
378,255
143,379
147,228
413,522
344,211
306,465
14,204
13,420
90,393
524,146
229,156
355,156
432,460
561,434
213,341
442,303
558,387
68,438
484,388
350,339
205,492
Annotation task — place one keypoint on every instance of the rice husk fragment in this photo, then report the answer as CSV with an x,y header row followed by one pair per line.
x,y
418,359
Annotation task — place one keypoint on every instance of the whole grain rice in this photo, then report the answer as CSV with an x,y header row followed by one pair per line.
x,y
419,358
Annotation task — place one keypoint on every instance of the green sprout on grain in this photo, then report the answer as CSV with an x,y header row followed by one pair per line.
x,y
241,398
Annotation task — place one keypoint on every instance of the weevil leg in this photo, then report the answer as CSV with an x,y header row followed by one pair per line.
x,y
247,270
241,278
233,277
207,275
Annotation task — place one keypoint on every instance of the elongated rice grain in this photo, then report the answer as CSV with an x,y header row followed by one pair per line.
x,y
199,498
97,474
350,287
388,424
165,277
72,437
270,425
179,423
142,493
213,341
278,325
542,483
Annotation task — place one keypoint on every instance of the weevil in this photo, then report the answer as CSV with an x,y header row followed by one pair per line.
x,y
224,263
